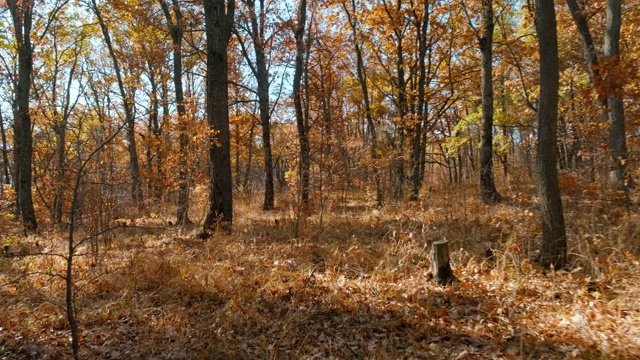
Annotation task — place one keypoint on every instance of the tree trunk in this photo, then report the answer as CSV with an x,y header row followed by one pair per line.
x,y
22,13
258,66
136,185
175,28
218,24
303,129
362,80
417,146
6,178
488,190
554,239
617,138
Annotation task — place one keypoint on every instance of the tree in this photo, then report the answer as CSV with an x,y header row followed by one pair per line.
x,y
176,31
6,178
361,72
302,123
488,189
617,138
610,94
218,24
22,16
256,31
127,103
554,238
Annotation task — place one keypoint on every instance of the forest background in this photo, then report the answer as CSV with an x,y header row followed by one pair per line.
x,y
290,213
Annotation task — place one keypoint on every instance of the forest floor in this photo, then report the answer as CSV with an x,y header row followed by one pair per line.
x,y
352,285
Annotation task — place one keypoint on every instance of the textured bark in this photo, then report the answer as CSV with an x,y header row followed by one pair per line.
x,y
588,46
488,190
554,239
617,138
258,66
22,14
303,126
6,177
61,132
362,80
136,185
441,264
176,31
218,24
417,145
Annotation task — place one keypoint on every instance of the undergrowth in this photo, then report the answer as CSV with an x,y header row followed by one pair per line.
x,y
354,286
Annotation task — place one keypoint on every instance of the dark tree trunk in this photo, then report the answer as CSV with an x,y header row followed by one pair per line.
x,y
22,13
136,187
153,127
554,239
61,131
362,80
488,190
617,138
218,24
418,145
247,171
6,178
303,129
175,28
256,31
590,53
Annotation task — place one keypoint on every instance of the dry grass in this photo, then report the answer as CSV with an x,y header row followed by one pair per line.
x,y
354,286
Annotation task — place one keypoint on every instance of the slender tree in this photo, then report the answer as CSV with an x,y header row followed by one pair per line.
x,y
617,138
303,126
127,103
362,80
175,23
6,178
259,68
554,238
22,16
218,24
488,190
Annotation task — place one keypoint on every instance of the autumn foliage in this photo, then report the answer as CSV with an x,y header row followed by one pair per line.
x,y
354,141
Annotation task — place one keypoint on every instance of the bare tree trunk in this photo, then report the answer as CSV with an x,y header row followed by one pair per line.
x,y
22,14
303,126
418,146
488,190
554,238
362,80
218,24
617,138
6,178
136,185
176,31
258,66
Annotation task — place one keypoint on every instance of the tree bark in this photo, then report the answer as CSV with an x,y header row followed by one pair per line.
x,y
554,239
136,184
417,145
258,66
6,177
218,24
176,31
617,137
488,190
440,263
22,16
362,80
303,128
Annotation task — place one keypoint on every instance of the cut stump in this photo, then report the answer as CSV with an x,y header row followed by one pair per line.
x,y
440,263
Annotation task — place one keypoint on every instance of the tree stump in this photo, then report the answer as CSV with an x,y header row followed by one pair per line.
x,y
440,264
